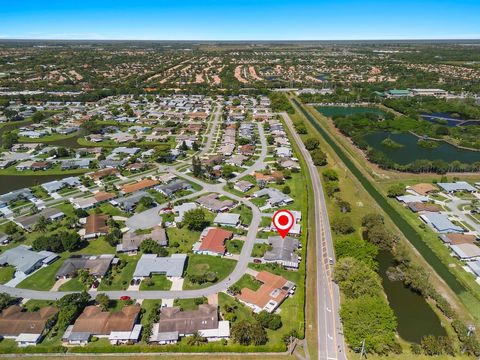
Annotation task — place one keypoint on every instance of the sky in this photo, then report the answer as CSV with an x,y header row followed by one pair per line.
x,y
240,20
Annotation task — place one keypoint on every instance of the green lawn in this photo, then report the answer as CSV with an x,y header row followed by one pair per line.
x,y
149,306
189,304
97,247
234,246
245,214
120,277
34,305
6,274
259,250
73,284
44,278
158,282
184,238
241,311
247,281
198,264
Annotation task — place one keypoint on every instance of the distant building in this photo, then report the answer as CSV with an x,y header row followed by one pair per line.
x,y
149,264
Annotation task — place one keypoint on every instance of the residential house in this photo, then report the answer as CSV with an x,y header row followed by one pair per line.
x,y
132,241
25,260
27,328
96,265
283,251
175,323
269,296
212,242
149,264
95,226
120,327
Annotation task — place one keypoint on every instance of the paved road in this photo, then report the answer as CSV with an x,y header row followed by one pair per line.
x,y
330,335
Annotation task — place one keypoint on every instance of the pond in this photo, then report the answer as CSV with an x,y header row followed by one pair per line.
x,y
448,120
411,151
330,111
415,318
14,182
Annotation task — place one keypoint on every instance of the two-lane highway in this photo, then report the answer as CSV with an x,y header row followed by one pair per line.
x,y
330,335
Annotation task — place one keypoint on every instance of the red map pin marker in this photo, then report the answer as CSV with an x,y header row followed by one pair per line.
x,y
283,220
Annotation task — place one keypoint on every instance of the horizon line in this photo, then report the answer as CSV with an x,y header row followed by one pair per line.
x,y
243,40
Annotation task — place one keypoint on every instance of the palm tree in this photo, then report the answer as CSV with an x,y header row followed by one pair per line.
x,y
196,339
41,224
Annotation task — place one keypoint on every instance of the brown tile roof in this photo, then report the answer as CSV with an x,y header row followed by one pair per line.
x,y
457,239
423,188
102,173
104,196
419,206
271,289
188,322
14,322
214,241
96,224
273,176
98,322
139,185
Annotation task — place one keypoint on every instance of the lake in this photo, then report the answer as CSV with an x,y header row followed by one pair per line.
x,y
411,151
415,318
14,182
330,111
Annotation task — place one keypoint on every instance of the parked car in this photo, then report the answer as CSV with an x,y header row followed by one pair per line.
x,y
257,261
124,297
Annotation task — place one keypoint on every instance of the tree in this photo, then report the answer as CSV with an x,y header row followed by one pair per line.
x,y
380,236
103,301
195,146
146,201
196,339
396,190
38,116
330,175
70,306
286,190
356,278
312,143
372,219
41,224
150,246
6,300
70,240
9,139
269,321
228,171
195,219
355,247
370,319
319,158
196,167
246,333
342,225
184,146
